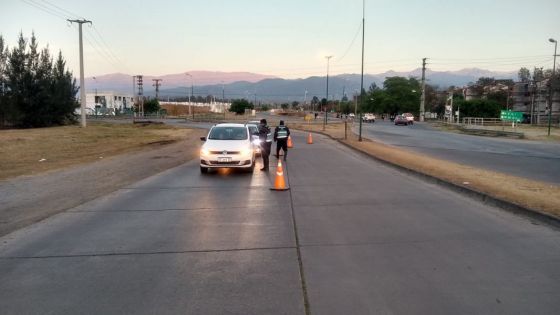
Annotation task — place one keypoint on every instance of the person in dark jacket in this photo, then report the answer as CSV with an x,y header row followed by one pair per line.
x,y
266,143
281,134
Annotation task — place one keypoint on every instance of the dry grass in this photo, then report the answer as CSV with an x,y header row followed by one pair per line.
x,y
31,151
536,195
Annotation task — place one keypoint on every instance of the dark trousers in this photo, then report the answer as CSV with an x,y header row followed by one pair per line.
x,y
282,144
265,152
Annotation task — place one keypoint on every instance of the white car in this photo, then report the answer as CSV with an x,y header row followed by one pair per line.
x,y
368,118
227,146
409,118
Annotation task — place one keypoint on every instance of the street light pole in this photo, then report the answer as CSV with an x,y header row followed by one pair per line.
x,y
327,102
552,40
192,94
362,79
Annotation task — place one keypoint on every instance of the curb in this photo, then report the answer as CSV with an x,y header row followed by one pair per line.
x,y
485,198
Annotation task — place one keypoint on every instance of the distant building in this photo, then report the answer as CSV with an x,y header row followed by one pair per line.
x,y
108,103
531,98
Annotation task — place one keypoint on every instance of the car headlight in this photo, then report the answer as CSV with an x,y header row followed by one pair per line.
x,y
247,151
204,151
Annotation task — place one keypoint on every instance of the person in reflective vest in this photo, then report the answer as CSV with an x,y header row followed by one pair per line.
x,y
266,143
281,134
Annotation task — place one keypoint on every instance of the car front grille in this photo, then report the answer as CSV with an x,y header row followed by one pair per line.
x,y
226,152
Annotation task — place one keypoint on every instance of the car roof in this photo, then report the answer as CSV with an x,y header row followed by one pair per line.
x,y
229,125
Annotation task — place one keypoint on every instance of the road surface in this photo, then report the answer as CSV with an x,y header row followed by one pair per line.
x,y
352,236
530,159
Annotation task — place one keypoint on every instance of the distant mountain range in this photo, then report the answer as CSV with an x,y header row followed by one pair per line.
x,y
273,89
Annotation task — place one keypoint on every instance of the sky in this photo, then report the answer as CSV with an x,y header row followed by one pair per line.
x,y
289,38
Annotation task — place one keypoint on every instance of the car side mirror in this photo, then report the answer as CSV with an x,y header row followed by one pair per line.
x,y
202,138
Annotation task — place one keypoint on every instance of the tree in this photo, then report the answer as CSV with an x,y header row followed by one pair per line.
x,y
284,106
239,106
524,74
538,74
151,106
402,95
37,93
314,102
479,108
484,81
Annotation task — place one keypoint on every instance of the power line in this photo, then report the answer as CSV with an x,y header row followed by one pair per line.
x,y
351,43
62,9
105,43
101,48
45,9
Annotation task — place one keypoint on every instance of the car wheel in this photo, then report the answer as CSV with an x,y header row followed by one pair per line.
x,y
203,170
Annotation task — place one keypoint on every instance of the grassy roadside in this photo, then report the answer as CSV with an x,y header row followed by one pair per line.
x,y
531,194
32,151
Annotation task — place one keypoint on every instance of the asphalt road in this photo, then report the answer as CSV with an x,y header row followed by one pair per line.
x,y
371,240
530,159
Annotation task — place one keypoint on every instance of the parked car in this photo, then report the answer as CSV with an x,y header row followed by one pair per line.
x,y
227,146
409,118
400,120
370,118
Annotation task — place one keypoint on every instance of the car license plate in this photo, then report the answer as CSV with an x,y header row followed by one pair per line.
x,y
224,159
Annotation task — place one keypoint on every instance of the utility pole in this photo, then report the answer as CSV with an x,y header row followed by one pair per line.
x,y
552,40
157,85
423,96
82,81
327,102
362,78
140,84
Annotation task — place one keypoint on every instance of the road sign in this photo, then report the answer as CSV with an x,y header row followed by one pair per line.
x,y
511,116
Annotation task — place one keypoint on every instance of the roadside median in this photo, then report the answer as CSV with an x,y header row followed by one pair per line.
x,y
533,198
48,170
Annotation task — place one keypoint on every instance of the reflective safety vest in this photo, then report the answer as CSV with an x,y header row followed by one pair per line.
x,y
282,133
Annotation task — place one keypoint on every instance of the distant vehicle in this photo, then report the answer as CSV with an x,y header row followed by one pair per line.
x,y
369,118
409,117
227,146
401,120
254,131
351,115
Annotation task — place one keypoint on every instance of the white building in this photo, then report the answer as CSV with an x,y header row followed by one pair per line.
x,y
108,103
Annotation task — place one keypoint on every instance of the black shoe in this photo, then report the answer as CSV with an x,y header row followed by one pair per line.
x,y
265,169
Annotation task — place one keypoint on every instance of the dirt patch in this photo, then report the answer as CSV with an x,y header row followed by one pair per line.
x,y
531,194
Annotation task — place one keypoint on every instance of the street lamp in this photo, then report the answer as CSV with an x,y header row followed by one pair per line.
x,y
328,61
552,40
192,86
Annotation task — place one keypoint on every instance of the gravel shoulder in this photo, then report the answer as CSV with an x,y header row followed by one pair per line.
x,y
25,200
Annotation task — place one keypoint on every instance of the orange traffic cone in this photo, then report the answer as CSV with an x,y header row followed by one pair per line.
x,y
279,183
309,139
290,144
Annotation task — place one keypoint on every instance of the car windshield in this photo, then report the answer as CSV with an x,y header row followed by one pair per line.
x,y
228,133
253,129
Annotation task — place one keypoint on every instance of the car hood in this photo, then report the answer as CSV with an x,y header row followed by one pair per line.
x,y
226,145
